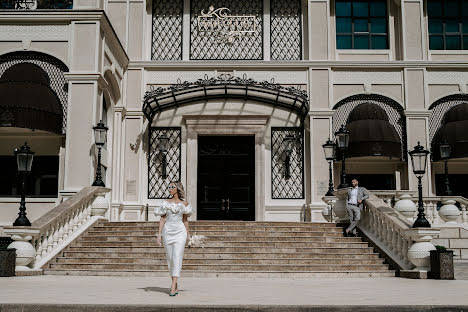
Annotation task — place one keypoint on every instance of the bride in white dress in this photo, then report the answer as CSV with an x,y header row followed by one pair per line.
x,y
174,230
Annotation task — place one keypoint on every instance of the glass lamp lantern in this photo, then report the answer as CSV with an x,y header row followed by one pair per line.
x,y
24,158
342,137
100,133
163,143
419,159
329,150
445,150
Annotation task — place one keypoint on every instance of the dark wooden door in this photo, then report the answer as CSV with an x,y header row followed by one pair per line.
x,y
226,178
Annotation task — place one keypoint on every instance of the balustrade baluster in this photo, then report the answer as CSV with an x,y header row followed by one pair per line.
x,y
399,245
389,234
435,214
406,245
39,248
464,214
375,224
50,238
55,237
395,236
65,226
383,226
428,211
60,232
75,221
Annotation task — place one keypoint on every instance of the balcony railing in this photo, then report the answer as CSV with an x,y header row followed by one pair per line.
x,y
36,4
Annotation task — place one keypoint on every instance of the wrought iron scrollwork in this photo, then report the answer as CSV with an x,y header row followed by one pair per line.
x,y
160,99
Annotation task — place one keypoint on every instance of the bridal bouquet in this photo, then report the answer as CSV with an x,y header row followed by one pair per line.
x,y
197,241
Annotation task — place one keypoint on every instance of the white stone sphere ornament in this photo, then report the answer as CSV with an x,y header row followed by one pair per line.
x,y
100,206
406,206
25,252
449,212
419,255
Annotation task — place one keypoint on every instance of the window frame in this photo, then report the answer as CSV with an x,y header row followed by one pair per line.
x,y
444,18
368,33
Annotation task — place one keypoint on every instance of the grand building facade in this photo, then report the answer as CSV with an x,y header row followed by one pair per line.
x,y
233,98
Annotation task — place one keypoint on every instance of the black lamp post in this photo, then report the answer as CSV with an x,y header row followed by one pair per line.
x,y
288,143
24,159
445,149
100,133
342,141
419,160
329,150
163,142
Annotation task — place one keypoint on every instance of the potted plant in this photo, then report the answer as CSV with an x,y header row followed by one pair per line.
x,y
442,263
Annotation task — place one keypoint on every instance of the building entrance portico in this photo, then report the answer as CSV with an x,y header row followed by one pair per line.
x,y
244,133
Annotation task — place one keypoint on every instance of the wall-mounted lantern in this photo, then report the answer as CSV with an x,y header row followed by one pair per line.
x,y
162,147
288,144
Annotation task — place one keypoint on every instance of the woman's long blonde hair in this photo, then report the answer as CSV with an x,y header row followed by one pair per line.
x,y
180,189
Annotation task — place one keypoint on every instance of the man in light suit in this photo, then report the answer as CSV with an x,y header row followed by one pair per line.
x,y
356,195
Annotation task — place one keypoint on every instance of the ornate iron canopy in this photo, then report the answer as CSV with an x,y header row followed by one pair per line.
x,y
225,86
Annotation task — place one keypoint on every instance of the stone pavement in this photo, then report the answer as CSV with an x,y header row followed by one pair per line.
x,y
221,294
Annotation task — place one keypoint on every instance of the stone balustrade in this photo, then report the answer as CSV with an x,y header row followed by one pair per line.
x,y
48,235
390,231
406,203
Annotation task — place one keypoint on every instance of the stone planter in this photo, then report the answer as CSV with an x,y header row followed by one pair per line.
x,y
7,261
449,212
442,264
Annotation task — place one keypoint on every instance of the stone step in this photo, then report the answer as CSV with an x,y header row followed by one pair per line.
x,y
239,244
217,261
225,274
337,233
218,228
227,223
220,238
221,255
315,250
226,267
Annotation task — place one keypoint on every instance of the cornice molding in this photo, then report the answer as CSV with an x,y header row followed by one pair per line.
x,y
13,17
304,65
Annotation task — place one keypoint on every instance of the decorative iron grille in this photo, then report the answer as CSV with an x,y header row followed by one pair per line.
x,y
208,46
167,30
286,26
36,4
283,187
440,107
157,185
225,86
54,68
395,113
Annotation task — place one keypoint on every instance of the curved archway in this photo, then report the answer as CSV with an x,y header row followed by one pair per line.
x,y
440,107
390,127
27,100
54,69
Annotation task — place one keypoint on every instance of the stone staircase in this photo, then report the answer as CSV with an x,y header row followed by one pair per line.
x,y
232,248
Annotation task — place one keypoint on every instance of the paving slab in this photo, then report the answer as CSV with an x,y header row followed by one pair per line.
x,y
104,293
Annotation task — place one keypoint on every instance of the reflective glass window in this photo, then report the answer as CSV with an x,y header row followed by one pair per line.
x,y
448,24
361,24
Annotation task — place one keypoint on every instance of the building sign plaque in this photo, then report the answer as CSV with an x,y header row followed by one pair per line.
x,y
225,27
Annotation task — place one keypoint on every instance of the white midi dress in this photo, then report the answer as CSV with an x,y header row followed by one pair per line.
x,y
174,233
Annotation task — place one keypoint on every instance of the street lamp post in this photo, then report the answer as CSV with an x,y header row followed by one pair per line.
x,y
342,141
24,159
419,160
163,142
100,133
329,149
445,149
